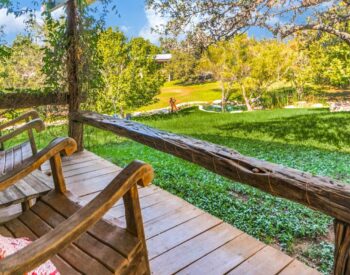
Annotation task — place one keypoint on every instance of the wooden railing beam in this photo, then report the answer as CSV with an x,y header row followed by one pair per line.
x,y
319,193
28,100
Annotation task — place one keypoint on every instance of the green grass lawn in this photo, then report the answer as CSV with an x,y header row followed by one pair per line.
x,y
310,140
182,93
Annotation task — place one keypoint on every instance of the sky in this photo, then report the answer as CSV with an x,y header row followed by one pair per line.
x,y
133,18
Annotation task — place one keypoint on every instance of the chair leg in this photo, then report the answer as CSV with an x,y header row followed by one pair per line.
x,y
134,223
26,205
57,174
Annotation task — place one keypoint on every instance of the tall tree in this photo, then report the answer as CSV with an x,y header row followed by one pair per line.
x,y
130,74
21,69
229,61
247,66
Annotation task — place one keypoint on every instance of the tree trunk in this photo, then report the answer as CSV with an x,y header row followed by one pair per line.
x,y
223,99
246,99
75,130
300,92
342,248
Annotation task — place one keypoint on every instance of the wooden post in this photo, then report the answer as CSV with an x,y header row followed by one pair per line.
x,y
133,216
342,248
2,146
75,130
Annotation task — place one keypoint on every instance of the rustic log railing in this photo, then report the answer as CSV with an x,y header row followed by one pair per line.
x,y
17,100
319,193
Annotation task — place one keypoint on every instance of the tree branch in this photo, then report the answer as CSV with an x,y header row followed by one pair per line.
x,y
286,31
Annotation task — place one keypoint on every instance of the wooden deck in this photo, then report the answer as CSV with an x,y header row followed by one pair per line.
x,y
180,237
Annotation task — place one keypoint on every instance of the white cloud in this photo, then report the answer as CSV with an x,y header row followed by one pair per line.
x,y
154,21
11,23
14,25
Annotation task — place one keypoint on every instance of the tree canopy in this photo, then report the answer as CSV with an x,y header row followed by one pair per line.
x,y
131,77
224,19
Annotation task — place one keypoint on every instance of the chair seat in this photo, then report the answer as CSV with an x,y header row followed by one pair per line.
x,y
14,156
31,187
104,249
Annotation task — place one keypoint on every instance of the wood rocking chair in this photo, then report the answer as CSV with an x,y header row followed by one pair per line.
x,y
76,239
13,157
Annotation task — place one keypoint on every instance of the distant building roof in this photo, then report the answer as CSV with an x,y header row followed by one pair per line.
x,y
165,57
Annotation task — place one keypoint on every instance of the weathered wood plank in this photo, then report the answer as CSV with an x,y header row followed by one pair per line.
x,y
71,254
143,192
153,211
28,100
266,261
180,234
105,232
326,195
297,267
226,257
145,201
91,185
87,169
85,242
166,222
93,174
183,255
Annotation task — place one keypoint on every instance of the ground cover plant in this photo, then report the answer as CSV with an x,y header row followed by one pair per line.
x,y
312,140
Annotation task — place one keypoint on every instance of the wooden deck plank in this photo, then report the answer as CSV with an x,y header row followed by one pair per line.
x,y
71,254
93,174
180,237
85,242
84,163
153,211
90,185
166,222
265,262
226,257
87,169
297,267
180,234
145,202
183,255
143,192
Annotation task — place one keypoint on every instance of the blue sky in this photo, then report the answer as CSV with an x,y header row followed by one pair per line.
x,y
133,18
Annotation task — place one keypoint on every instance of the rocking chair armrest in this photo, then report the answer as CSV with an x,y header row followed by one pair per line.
x,y
64,234
28,115
36,124
57,146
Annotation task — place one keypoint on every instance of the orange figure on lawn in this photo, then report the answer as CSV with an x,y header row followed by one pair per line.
x,y
173,107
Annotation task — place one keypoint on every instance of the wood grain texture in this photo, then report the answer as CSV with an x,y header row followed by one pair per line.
x,y
36,124
227,257
342,248
57,146
266,261
29,100
21,118
75,129
26,189
297,267
320,193
67,231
